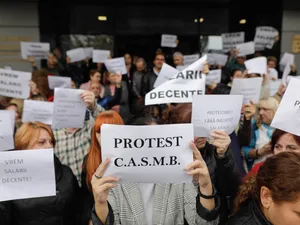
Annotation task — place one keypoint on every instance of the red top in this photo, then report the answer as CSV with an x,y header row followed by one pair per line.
x,y
255,169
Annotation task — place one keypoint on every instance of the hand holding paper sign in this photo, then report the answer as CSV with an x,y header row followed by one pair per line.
x,y
221,141
89,99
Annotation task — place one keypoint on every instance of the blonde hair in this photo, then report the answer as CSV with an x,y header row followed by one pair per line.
x,y
267,103
29,131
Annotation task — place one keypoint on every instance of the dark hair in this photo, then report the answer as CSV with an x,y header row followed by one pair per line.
x,y
234,71
182,113
159,53
141,120
278,133
272,58
280,174
221,89
92,72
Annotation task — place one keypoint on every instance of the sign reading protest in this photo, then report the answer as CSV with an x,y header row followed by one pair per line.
x,y
230,40
148,154
14,84
265,37
37,111
100,56
165,74
169,41
223,114
35,49
59,82
288,113
116,65
27,174
7,127
76,55
257,65
250,88
181,87
69,109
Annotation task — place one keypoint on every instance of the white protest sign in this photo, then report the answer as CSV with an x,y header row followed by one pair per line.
x,y
76,55
69,109
180,68
287,58
27,174
100,56
59,82
274,86
285,74
148,154
288,79
265,36
220,59
165,74
7,119
37,111
116,65
287,116
223,114
246,48
88,52
250,88
214,76
36,49
14,84
215,43
230,40
257,65
189,59
181,87
169,41
273,74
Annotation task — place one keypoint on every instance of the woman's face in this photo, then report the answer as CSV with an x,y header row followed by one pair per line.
x,y
112,78
200,142
96,77
266,115
286,143
44,141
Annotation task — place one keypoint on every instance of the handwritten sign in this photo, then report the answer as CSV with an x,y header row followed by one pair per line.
x,y
246,48
249,88
230,40
37,111
257,65
116,65
181,87
27,174
100,56
169,41
148,154
14,84
36,49
265,37
223,114
76,55
69,109
7,127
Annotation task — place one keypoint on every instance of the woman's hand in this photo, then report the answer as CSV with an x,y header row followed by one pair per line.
x,y
89,99
198,168
33,88
205,68
265,150
281,90
221,140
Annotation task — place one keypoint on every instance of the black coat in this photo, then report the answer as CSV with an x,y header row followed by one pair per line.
x,y
62,209
249,214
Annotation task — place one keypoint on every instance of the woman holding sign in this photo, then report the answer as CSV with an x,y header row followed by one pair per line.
x,y
60,209
163,204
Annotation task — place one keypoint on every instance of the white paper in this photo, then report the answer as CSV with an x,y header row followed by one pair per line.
x,y
246,48
166,154
220,59
69,109
27,174
116,65
180,68
36,49
250,88
285,74
14,84
273,74
7,68
224,114
230,40
214,76
169,41
165,74
287,58
76,55
274,86
190,59
88,52
59,82
7,119
257,65
265,36
37,111
288,79
181,87
287,116
215,43
100,56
